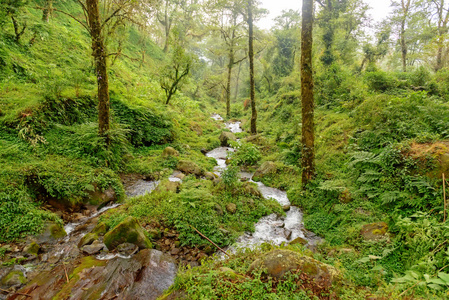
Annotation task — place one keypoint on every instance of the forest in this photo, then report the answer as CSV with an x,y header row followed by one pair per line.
x,y
180,149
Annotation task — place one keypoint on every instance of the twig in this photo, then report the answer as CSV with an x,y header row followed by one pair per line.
x,y
65,271
210,241
444,198
15,293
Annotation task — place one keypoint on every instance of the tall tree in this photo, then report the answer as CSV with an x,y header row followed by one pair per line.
x,y
440,11
251,67
308,133
47,10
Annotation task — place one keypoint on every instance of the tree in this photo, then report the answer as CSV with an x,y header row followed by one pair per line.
x,y
251,68
175,72
440,12
47,10
12,9
308,134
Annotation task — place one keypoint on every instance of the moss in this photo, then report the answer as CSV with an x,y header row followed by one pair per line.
x,y
14,278
128,231
57,231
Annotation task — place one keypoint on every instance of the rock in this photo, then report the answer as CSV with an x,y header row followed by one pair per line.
x,y
218,209
374,231
209,175
251,188
227,273
287,233
129,231
175,251
203,150
169,186
87,239
299,240
278,262
231,208
52,232
266,168
13,278
144,276
97,196
94,248
286,207
32,249
225,137
189,167
101,228
154,233
169,151
127,249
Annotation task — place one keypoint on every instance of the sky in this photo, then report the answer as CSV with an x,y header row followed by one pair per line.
x,y
380,9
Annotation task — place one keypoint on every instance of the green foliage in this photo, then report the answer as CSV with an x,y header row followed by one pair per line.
x,y
246,154
380,81
230,176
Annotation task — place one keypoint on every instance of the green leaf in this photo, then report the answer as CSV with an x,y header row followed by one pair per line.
x,y
363,260
444,277
435,286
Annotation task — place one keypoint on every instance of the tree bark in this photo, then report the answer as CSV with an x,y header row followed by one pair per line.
x,y
405,9
99,54
308,134
228,83
251,69
47,11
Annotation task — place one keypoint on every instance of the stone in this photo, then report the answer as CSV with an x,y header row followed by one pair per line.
x,y
374,231
154,233
32,249
169,186
251,188
175,251
169,151
299,240
287,233
127,249
52,232
87,239
14,278
189,167
100,229
231,208
94,248
98,196
225,137
279,262
129,231
209,175
227,273
286,207
265,169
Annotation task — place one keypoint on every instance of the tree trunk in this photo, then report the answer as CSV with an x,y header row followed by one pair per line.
x,y
99,54
47,11
308,135
403,47
166,27
228,83
251,69
236,92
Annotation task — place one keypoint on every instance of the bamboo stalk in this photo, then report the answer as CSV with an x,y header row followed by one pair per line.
x,y
444,198
210,241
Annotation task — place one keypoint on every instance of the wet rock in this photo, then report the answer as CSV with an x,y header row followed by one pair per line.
x,y
101,228
287,234
52,232
286,207
231,208
94,248
209,175
251,188
374,231
266,168
32,249
225,137
87,239
299,240
127,249
76,217
180,176
98,196
189,167
13,278
175,251
203,150
278,262
128,231
170,151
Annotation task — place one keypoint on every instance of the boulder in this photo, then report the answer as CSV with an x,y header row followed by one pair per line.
x,y
13,278
93,248
279,262
128,231
169,186
52,232
98,196
374,231
231,208
100,229
169,151
266,168
299,240
209,175
189,167
32,249
87,239
251,188
225,137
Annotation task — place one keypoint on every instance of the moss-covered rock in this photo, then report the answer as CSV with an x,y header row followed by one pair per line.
x,y
101,228
87,239
266,168
231,208
299,240
98,196
225,137
169,151
32,249
128,231
189,167
278,263
52,232
251,188
169,186
374,231
13,278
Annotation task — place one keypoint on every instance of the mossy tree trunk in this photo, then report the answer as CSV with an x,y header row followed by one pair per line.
x,y
308,134
405,6
99,53
48,9
251,69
